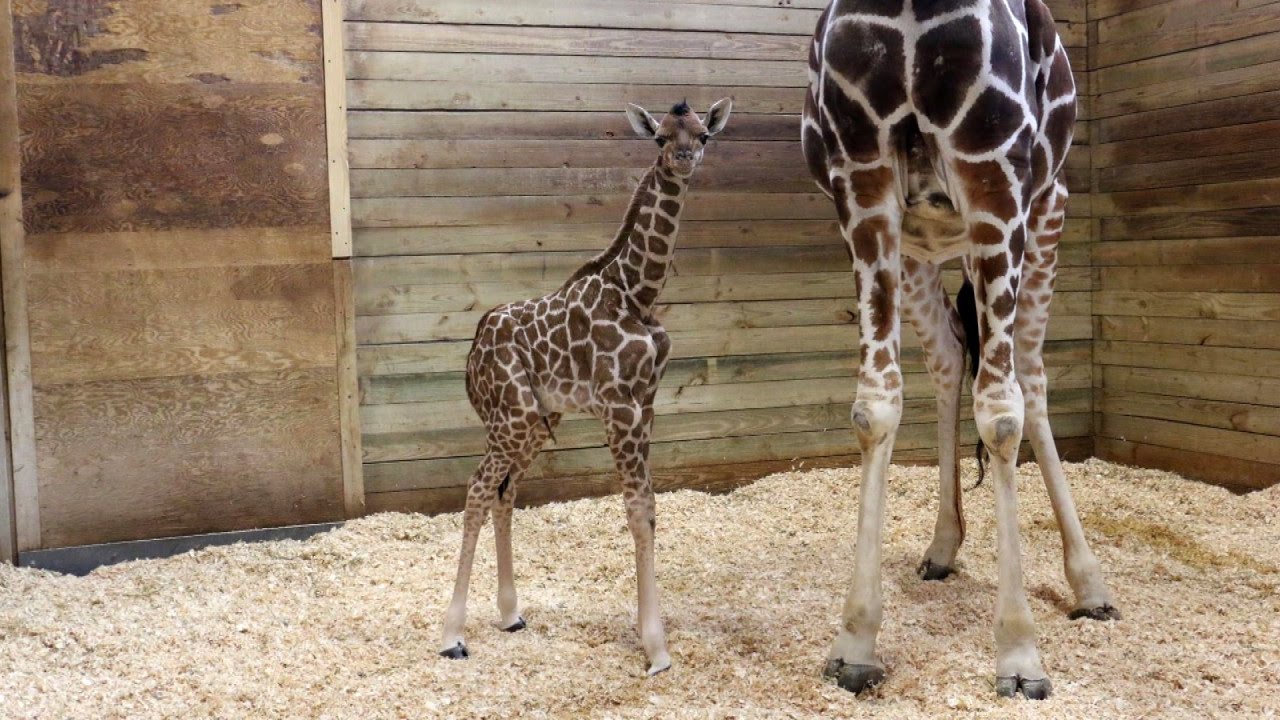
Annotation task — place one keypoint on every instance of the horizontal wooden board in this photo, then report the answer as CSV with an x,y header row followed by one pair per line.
x,y
628,153
1252,108
1192,64
592,42
1190,331
553,237
1248,446
1061,357
558,181
633,14
411,95
1223,306
1232,361
1238,166
676,317
446,356
1199,463
1244,222
418,474
1188,384
1258,277
706,478
1258,419
1193,251
1184,91
1226,139
579,70
440,298
553,268
1178,26
1258,193
560,125
682,426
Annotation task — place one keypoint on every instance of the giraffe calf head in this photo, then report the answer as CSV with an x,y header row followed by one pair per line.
x,y
682,135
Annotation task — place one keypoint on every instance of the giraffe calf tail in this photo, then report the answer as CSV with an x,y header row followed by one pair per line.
x,y
967,306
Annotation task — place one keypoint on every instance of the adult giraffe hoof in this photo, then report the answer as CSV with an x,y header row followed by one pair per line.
x,y
516,626
929,571
457,652
1030,689
854,678
1104,612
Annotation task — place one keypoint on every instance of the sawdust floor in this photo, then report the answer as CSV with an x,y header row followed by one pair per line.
x,y
345,625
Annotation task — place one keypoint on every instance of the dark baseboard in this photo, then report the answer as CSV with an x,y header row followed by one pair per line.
x,y
83,559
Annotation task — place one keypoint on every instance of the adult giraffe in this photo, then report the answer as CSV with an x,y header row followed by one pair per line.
x,y
940,129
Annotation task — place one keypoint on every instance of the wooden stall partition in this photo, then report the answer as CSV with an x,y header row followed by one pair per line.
x,y
490,157
1187,172
178,272
11,234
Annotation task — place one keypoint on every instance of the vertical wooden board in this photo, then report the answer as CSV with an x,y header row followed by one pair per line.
x,y
19,499
335,103
348,391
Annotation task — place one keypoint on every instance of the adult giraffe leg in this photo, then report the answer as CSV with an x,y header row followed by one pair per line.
x,y
1084,572
997,228
482,492
938,326
870,219
509,619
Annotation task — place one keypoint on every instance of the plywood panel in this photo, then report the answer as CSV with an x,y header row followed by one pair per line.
x,y
178,268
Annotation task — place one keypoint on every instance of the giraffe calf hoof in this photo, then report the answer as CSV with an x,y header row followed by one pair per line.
x,y
929,571
1031,689
854,678
516,626
457,652
1103,613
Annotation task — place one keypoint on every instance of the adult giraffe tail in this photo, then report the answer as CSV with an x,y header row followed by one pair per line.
x,y
967,306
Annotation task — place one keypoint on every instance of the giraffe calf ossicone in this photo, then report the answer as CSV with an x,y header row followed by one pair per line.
x,y
592,346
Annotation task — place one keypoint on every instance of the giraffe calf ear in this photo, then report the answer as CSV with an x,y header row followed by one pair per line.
x,y
718,116
642,122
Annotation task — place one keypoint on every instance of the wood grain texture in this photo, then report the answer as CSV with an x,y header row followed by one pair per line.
x,y
490,158
20,498
335,114
13,413
182,297
109,158
133,459
353,493
1186,173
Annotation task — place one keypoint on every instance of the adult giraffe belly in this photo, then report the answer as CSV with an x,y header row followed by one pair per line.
x,y
933,234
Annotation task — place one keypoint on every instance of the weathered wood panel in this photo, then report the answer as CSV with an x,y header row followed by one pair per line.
x,y
178,267
490,158
1187,192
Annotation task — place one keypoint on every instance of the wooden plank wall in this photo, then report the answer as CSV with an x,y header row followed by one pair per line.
x,y
178,267
1187,173
490,157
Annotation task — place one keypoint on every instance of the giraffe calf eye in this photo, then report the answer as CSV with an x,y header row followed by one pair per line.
x,y
662,142
704,138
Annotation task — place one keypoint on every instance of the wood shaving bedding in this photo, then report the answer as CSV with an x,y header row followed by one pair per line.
x,y
345,625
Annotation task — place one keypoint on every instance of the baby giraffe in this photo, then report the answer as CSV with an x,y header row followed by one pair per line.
x,y
594,345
